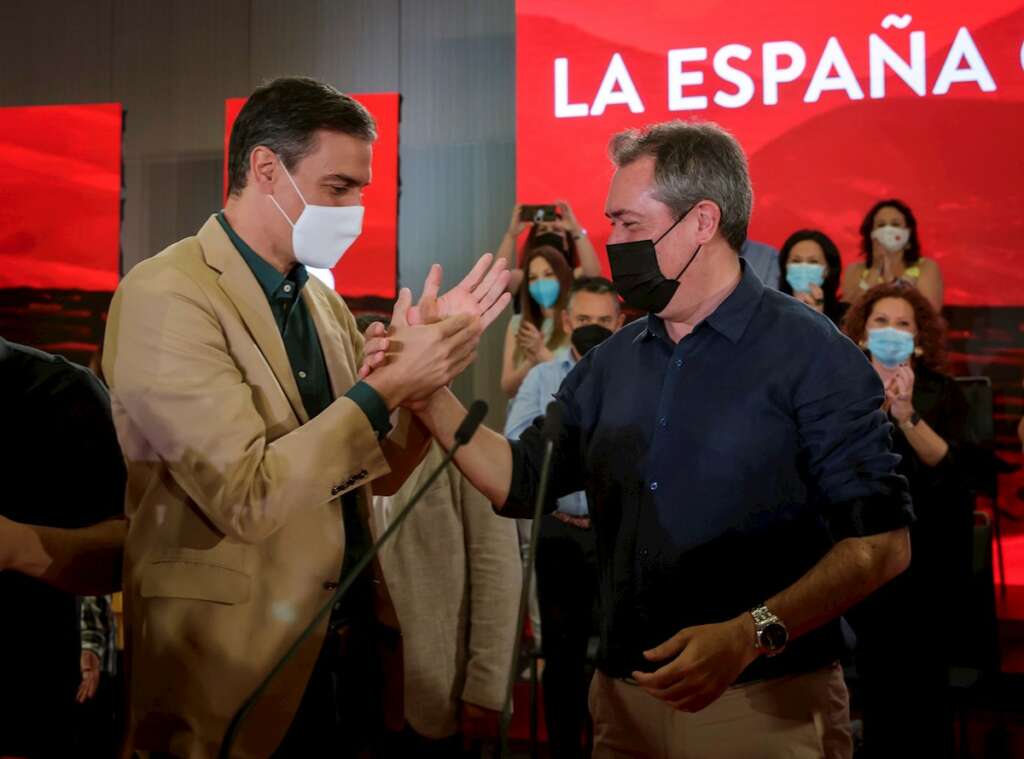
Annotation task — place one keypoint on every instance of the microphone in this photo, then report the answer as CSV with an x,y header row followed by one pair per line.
x,y
465,432
551,432
475,415
553,423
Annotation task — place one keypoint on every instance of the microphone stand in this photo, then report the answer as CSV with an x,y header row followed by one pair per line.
x,y
552,430
477,411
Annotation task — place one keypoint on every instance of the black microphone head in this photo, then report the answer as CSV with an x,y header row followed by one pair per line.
x,y
475,415
553,422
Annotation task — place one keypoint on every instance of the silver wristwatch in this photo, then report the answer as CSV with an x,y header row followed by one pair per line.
x,y
770,631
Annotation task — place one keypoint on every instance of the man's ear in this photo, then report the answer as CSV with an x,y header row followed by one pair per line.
x,y
709,216
566,322
263,167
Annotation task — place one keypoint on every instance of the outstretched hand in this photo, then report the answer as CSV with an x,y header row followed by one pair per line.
x,y
481,293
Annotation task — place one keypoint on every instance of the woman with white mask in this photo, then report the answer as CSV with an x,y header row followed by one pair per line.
x,y
892,252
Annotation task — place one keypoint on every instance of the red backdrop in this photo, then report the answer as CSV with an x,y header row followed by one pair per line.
x,y
369,267
60,196
943,130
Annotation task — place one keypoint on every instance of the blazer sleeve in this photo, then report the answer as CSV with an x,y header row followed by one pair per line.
x,y
495,578
170,370
408,441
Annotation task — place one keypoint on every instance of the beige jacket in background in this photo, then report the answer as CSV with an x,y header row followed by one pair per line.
x,y
233,493
454,574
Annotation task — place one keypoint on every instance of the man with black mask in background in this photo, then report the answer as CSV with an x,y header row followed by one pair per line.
x,y
566,565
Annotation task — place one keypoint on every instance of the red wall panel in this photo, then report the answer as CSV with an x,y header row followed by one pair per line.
x,y
60,196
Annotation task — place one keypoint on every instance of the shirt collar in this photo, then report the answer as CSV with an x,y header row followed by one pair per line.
x,y
732,315
275,285
564,356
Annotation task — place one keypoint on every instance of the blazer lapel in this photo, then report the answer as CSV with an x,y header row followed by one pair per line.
x,y
339,367
242,289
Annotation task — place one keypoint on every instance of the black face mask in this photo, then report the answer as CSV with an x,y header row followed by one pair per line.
x,y
588,336
637,276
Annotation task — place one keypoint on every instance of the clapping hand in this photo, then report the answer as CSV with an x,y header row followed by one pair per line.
x,y
899,393
475,302
815,298
531,342
481,293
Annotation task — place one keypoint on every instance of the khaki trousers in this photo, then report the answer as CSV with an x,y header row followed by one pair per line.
x,y
799,716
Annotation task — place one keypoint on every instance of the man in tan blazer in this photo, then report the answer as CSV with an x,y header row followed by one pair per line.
x,y
251,444
454,575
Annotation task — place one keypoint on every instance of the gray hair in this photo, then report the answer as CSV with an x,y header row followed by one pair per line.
x,y
692,162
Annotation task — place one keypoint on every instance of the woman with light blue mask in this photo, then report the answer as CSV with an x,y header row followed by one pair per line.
x,y
535,333
903,665
810,266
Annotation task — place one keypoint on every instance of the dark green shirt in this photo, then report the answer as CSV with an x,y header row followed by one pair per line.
x,y
306,358
301,342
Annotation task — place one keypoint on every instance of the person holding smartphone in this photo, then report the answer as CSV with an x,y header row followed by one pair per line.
x,y
551,225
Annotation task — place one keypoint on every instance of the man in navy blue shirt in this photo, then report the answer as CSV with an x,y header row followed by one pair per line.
x,y
739,470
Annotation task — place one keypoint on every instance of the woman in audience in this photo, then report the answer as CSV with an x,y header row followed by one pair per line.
x,y
535,333
907,631
892,252
810,266
563,233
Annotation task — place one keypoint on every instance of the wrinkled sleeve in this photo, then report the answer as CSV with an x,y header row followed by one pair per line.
x,y
567,466
846,442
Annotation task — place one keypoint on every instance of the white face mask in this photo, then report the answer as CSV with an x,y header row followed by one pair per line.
x,y
322,234
890,237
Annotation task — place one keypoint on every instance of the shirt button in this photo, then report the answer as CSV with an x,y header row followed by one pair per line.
x,y
662,422
302,374
287,288
654,486
679,363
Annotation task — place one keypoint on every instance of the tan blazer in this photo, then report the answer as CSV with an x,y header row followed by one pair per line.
x,y
233,494
454,573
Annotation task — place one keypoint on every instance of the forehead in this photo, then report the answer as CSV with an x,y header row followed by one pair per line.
x,y
337,153
593,303
807,248
539,263
889,213
894,308
632,188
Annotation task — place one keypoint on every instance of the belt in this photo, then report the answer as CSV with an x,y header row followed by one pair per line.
x,y
582,522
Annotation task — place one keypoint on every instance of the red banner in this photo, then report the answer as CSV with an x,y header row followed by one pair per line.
x,y
60,185
836,105
370,267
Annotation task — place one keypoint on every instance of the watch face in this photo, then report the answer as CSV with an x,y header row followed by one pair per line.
x,y
774,637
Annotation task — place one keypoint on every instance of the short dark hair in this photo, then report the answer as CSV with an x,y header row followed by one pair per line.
x,y
595,285
694,161
911,253
285,115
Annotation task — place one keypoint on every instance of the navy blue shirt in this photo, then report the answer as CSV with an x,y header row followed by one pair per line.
x,y
719,469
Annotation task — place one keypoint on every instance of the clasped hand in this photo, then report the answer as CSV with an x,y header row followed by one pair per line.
x,y
430,343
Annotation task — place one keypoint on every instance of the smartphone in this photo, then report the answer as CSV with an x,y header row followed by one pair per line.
x,y
538,213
